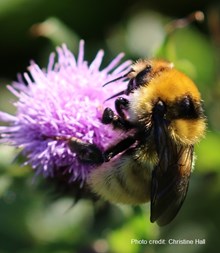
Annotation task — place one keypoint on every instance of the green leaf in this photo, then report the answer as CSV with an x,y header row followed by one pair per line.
x,y
207,152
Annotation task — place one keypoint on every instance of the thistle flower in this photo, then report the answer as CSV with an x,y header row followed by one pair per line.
x,y
65,100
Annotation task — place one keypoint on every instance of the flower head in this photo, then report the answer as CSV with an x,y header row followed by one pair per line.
x,y
65,100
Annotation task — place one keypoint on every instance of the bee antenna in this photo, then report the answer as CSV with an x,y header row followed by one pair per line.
x,y
118,78
116,95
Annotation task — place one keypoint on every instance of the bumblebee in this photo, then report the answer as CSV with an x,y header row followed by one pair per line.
x,y
162,118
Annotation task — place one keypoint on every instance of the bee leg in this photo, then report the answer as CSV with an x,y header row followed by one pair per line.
x,y
118,121
119,147
87,153
108,116
121,105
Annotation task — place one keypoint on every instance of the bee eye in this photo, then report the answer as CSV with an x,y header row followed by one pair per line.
x,y
142,77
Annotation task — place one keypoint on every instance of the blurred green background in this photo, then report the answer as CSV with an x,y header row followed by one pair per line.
x,y
30,220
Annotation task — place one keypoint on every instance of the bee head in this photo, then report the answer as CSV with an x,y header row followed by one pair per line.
x,y
143,71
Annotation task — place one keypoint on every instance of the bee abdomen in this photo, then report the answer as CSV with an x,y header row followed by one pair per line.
x,y
121,180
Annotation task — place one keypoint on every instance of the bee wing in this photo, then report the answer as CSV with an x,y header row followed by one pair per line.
x,y
170,177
